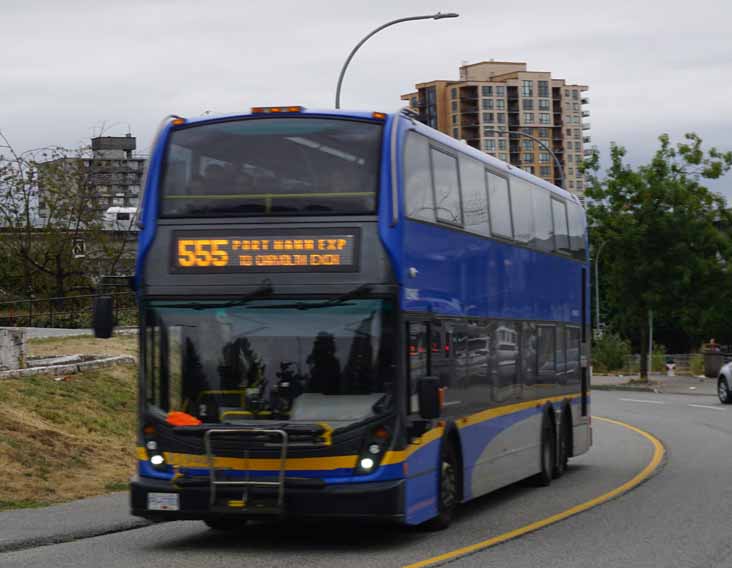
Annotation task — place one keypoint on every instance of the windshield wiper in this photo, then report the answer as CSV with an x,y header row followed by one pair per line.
x,y
263,291
338,300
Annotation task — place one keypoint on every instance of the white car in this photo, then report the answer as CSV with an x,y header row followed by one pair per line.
x,y
723,384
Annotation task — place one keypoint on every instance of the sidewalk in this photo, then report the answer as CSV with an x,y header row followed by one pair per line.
x,y
26,528
683,384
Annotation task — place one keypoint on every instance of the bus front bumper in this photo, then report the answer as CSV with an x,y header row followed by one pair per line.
x,y
382,500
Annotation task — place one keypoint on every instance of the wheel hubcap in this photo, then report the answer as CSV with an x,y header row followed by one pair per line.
x,y
723,392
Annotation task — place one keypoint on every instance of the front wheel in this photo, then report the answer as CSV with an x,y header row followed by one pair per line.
x,y
448,484
725,397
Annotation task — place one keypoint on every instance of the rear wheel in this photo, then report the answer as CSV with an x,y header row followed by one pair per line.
x,y
225,524
544,477
448,484
725,397
564,442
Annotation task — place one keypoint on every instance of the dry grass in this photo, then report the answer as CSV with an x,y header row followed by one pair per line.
x,y
84,345
64,440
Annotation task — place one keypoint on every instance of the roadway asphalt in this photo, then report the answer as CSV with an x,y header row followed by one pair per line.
x,y
678,517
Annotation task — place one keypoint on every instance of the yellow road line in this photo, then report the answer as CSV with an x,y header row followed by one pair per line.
x,y
658,453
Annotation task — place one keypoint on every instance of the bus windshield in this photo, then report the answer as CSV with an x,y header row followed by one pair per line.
x,y
272,166
271,359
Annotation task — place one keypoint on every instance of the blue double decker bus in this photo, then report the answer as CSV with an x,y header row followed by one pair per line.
x,y
350,314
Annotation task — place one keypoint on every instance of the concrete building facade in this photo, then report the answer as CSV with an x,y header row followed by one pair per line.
x,y
494,99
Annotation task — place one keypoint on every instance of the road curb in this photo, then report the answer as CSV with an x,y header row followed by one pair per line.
x,y
630,388
34,542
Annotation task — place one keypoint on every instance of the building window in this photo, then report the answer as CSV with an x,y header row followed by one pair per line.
x,y
502,144
575,106
529,169
489,131
544,157
528,117
527,145
500,118
545,171
454,119
503,157
500,91
486,91
489,145
576,132
570,158
569,132
527,104
570,171
487,104
566,93
571,185
456,133
527,157
453,93
544,118
543,133
576,145
575,95
543,88
454,106
543,104
527,88
488,117
500,104
578,159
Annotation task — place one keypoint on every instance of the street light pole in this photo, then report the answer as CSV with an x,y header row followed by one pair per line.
x,y
597,285
540,143
437,16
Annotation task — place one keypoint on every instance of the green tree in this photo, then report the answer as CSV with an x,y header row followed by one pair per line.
x,y
665,249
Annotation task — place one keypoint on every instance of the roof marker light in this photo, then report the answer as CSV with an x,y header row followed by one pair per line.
x,y
378,115
178,121
276,109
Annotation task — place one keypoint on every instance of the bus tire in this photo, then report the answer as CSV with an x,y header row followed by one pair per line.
x,y
547,455
225,524
449,495
564,443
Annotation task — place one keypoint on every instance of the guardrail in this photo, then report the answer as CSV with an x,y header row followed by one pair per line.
x,y
67,311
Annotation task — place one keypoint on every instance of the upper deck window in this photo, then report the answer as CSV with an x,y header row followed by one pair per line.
x,y
272,166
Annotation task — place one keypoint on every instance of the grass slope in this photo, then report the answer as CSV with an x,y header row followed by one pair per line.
x,y
68,439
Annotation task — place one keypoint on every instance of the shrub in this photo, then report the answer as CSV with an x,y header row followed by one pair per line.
x,y
610,352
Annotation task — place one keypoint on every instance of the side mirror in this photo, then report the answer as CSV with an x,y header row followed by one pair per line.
x,y
429,395
103,317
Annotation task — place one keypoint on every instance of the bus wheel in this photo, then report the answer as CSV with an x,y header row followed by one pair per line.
x,y
544,477
448,497
225,524
563,449
725,397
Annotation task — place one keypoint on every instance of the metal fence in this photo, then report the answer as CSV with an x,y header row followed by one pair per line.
x,y
67,311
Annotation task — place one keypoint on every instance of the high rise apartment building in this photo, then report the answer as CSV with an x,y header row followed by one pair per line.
x,y
494,101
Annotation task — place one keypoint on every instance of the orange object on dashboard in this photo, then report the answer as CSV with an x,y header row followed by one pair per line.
x,y
177,418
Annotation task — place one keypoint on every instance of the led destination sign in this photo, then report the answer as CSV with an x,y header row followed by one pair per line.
x,y
243,253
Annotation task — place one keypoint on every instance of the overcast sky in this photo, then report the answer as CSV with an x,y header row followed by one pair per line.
x,y
67,67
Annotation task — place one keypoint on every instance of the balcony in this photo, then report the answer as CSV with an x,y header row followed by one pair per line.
x,y
586,139
585,100
469,109
586,126
585,113
588,152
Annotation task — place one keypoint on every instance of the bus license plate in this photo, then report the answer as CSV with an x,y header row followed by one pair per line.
x,y
163,501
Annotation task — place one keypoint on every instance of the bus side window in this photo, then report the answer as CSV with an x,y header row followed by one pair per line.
x,y
546,355
475,197
418,360
418,197
447,187
543,227
561,230
561,355
573,355
576,230
499,206
522,210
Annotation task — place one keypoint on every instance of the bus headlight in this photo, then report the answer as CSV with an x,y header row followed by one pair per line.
x,y
373,450
157,460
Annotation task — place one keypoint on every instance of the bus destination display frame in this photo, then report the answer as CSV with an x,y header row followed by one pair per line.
x,y
224,251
